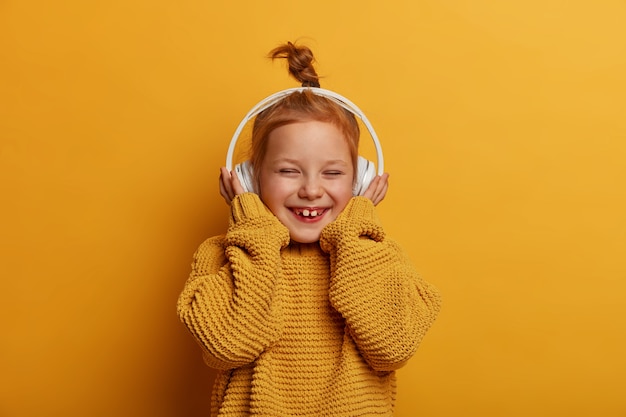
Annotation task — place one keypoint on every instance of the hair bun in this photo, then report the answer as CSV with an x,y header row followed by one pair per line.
x,y
300,61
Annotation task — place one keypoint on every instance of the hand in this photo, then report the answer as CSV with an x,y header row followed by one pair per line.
x,y
377,190
229,185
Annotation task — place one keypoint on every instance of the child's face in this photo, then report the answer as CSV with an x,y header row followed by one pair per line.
x,y
306,177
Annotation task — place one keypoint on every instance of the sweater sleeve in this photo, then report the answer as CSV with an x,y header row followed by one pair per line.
x,y
387,306
228,302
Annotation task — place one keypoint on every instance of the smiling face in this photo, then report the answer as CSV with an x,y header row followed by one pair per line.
x,y
306,177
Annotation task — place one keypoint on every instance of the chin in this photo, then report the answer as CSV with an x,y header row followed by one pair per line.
x,y
305,238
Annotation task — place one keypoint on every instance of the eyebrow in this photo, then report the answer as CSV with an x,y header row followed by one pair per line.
x,y
296,161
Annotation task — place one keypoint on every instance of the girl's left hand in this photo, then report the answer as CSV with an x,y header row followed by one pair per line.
x,y
377,190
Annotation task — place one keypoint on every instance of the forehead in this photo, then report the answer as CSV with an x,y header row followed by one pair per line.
x,y
310,138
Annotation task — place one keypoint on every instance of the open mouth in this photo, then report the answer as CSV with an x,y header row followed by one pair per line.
x,y
309,212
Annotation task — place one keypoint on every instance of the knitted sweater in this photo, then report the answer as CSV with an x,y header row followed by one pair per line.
x,y
305,330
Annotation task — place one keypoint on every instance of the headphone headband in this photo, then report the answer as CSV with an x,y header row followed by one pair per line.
x,y
278,96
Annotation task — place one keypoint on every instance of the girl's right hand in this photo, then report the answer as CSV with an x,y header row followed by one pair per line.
x,y
229,185
378,188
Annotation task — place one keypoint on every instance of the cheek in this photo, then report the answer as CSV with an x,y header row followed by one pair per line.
x,y
265,192
343,195
273,193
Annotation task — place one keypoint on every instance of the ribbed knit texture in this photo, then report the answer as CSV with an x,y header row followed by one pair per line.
x,y
305,330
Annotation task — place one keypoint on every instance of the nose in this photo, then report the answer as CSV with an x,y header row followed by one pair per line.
x,y
311,188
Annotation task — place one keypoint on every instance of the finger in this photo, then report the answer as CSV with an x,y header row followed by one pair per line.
x,y
380,196
225,185
236,186
380,188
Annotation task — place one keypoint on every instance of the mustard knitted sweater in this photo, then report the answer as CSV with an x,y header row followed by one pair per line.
x,y
305,330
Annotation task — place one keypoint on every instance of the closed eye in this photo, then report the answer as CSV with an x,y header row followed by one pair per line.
x,y
333,173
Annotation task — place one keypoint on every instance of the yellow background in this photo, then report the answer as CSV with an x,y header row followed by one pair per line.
x,y
504,130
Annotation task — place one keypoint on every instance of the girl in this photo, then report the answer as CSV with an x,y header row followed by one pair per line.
x,y
304,306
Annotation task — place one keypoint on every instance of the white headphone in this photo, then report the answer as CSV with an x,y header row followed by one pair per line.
x,y
365,170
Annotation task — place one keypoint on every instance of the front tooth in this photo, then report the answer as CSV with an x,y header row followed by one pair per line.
x,y
305,213
314,213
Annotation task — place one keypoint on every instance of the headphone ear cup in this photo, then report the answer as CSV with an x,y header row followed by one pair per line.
x,y
366,172
244,173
